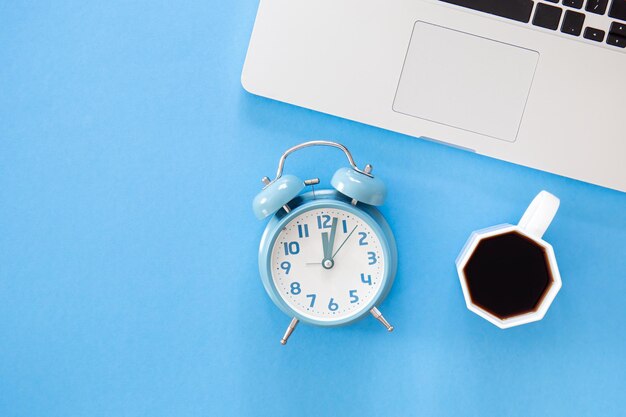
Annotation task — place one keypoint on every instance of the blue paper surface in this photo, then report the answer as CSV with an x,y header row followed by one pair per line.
x,y
129,157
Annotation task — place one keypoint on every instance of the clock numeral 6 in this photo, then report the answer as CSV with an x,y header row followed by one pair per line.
x,y
362,241
366,279
332,305
285,266
312,297
291,248
295,288
371,257
353,297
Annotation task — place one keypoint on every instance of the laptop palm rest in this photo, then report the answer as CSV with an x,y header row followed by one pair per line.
x,y
465,81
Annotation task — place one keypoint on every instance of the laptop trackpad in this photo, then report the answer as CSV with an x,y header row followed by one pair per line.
x,y
465,81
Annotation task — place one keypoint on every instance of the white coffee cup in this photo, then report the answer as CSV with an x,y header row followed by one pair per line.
x,y
532,225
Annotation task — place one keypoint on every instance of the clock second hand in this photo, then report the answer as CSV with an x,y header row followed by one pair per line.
x,y
338,249
344,242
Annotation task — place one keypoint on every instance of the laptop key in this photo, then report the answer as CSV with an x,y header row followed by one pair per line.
x,y
547,16
573,23
618,9
594,34
512,9
616,40
577,4
618,29
596,6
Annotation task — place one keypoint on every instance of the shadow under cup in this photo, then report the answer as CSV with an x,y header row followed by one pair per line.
x,y
508,275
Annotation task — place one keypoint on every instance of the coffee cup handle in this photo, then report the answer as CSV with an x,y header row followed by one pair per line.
x,y
539,214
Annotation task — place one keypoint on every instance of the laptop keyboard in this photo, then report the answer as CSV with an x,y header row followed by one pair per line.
x,y
596,21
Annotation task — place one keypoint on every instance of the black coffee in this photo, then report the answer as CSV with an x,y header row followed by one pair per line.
x,y
508,275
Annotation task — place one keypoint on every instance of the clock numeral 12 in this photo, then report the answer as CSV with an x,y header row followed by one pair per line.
x,y
325,224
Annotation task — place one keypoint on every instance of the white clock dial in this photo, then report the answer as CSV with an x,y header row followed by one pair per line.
x,y
323,279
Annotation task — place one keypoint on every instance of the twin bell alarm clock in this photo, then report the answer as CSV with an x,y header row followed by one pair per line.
x,y
327,257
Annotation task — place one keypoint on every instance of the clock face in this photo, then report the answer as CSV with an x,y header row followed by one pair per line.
x,y
328,264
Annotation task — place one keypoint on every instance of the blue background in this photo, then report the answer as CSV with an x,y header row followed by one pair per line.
x,y
129,157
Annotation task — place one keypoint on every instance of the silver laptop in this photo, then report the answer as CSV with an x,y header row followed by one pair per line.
x,y
537,83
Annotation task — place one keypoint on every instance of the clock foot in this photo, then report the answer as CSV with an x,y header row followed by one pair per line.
x,y
290,329
379,316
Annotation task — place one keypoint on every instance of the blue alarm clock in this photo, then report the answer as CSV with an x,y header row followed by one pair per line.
x,y
327,257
